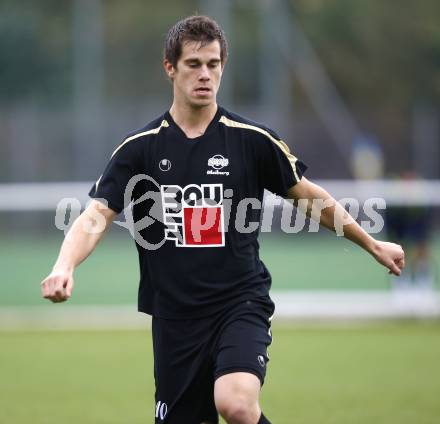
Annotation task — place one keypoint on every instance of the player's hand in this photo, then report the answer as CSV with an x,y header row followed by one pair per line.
x,y
57,286
390,255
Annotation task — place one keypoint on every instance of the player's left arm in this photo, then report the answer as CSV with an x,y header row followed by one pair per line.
x,y
319,205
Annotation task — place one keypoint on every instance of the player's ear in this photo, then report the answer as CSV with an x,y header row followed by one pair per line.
x,y
169,68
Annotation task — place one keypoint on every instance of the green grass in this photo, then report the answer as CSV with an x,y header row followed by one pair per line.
x,y
110,275
358,374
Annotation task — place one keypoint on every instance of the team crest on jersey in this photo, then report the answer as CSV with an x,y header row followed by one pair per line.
x,y
217,162
194,215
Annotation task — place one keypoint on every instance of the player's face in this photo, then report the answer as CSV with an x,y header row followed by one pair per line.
x,y
198,73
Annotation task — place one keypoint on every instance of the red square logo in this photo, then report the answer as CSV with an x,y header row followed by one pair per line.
x,y
203,226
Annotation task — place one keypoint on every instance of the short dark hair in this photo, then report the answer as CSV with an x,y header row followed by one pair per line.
x,y
194,28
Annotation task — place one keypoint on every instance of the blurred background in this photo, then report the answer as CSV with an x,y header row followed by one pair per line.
x,y
352,86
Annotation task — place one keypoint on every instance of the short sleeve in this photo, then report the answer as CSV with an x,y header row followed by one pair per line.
x,y
279,168
112,185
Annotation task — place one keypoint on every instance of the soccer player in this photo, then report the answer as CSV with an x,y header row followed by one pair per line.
x,y
202,281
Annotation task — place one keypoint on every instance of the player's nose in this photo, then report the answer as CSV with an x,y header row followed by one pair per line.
x,y
204,73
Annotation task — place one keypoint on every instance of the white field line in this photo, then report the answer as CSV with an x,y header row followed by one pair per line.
x,y
291,305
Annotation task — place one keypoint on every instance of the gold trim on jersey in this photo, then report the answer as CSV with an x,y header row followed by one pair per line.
x,y
163,124
283,146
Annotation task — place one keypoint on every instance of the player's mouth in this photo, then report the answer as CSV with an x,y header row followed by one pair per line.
x,y
202,91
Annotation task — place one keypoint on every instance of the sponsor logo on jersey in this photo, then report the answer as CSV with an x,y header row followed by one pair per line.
x,y
193,215
217,162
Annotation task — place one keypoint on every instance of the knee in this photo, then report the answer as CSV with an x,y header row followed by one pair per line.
x,y
236,398
239,410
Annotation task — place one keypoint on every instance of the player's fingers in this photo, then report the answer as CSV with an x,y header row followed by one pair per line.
x,y
68,285
402,254
57,298
57,288
53,289
394,269
60,296
59,291
50,284
44,288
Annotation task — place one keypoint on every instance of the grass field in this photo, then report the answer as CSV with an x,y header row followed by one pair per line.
x,y
343,374
110,275
383,373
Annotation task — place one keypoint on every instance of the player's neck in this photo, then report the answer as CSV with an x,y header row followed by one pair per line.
x,y
193,121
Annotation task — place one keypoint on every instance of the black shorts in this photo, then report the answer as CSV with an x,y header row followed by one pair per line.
x,y
189,355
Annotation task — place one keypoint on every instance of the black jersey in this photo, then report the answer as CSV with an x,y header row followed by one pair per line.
x,y
201,252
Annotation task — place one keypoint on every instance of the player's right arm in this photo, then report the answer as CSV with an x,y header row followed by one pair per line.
x,y
82,238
